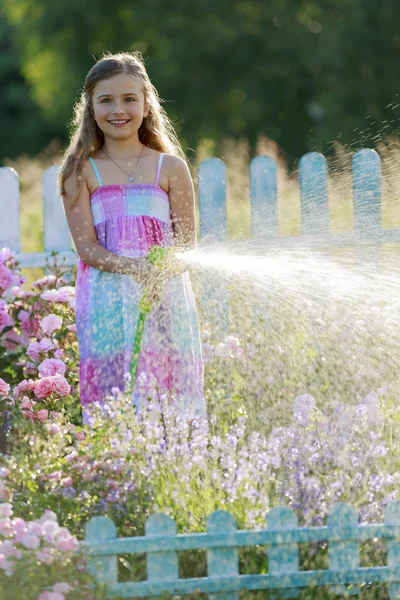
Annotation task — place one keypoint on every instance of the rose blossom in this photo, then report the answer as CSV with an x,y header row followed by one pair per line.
x,y
28,385
51,323
10,340
6,254
5,277
33,350
52,366
50,295
4,387
53,383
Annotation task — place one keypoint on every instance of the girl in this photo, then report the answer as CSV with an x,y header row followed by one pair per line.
x,y
122,134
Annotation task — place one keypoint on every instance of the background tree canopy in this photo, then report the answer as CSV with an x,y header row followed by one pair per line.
x,y
302,72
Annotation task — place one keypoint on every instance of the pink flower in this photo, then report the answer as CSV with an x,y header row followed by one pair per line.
x,y
72,327
51,596
33,350
51,323
30,327
5,277
4,316
10,340
53,383
28,540
23,315
67,543
6,510
46,345
42,415
52,366
44,388
50,295
79,435
4,387
59,353
64,588
61,385
54,428
67,482
6,254
28,385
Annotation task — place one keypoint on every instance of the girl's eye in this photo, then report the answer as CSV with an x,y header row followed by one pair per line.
x,y
109,98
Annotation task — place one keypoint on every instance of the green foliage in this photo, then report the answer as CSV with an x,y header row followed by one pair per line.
x,y
303,73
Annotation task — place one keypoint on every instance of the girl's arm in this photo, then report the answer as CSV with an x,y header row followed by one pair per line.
x,y
80,222
182,202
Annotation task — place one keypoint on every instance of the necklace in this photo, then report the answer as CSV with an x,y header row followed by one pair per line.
x,y
129,175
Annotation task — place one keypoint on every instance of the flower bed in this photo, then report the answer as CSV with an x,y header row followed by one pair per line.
x,y
276,434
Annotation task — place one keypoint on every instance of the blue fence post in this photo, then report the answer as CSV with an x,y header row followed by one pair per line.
x,y
343,555
213,229
283,559
367,206
103,568
263,198
161,566
264,215
313,179
392,517
222,562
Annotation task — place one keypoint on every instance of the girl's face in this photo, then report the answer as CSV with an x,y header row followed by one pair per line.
x,y
119,98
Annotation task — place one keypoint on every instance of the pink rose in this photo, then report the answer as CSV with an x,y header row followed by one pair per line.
x,y
33,350
59,353
46,345
4,316
51,323
61,385
30,327
4,387
23,315
67,482
42,415
50,295
67,543
5,277
28,385
72,327
6,254
53,383
10,340
44,387
52,366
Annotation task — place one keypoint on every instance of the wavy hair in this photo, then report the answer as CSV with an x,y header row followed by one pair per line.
x,y
156,130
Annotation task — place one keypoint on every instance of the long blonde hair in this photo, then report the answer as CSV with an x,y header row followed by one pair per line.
x,y
156,130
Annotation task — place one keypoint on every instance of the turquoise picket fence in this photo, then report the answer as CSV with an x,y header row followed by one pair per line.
x,y
212,188
284,578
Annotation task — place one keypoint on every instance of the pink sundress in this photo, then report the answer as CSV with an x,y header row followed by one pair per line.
x,y
129,219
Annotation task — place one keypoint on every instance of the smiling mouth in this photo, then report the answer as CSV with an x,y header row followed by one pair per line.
x,y
119,121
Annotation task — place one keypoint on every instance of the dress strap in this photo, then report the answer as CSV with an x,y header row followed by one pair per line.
x,y
159,168
95,169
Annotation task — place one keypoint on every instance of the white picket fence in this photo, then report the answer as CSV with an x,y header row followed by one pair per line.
x,y
313,181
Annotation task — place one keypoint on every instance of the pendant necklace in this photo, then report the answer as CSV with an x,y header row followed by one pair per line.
x,y
129,175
